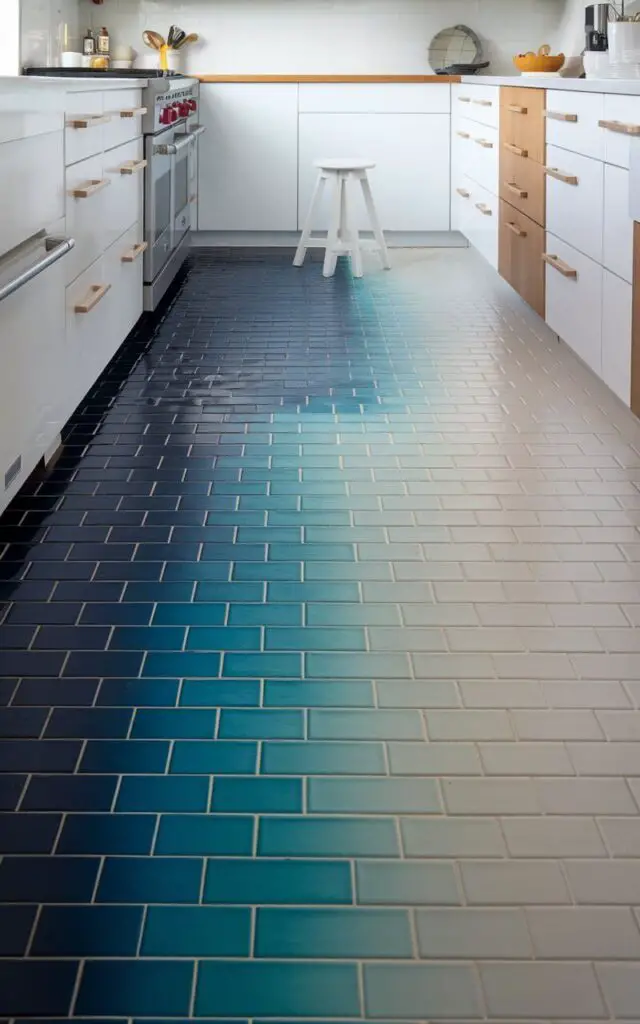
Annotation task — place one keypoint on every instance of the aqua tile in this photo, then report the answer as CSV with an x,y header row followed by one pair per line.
x,y
162,793
150,880
197,932
202,572
247,988
267,571
252,882
199,757
419,991
334,639
232,693
406,883
123,757
301,592
147,638
323,759
307,518
257,795
189,614
89,931
273,534
261,724
233,591
265,615
107,834
181,664
366,725
311,553
309,693
332,934
205,835
224,638
138,693
328,837
358,666
135,987
262,665
37,987
173,724
374,796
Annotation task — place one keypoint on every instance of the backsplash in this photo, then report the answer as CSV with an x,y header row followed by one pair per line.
x,y
42,29
328,36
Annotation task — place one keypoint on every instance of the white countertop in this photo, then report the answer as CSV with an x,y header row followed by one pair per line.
x,y
629,87
69,84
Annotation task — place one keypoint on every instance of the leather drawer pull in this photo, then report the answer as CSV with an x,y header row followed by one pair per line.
x,y
513,109
517,150
134,112
90,189
484,143
486,210
463,135
133,166
559,265
620,128
463,192
132,254
96,293
554,172
555,115
515,229
517,191
483,103
464,99
88,120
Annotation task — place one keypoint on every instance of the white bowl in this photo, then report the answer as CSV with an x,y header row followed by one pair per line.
x,y
121,64
71,59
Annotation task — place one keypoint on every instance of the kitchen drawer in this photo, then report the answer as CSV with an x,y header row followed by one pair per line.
x,y
521,246
572,122
573,288
123,167
86,205
617,307
522,120
374,98
124,108
479,102
575,203
33,200
522,184
460,203
481,221
123,269
620,124
85,121
481,154
617,239
88,316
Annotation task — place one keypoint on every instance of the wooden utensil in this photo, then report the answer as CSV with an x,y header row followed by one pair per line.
x,y
153,39
191,38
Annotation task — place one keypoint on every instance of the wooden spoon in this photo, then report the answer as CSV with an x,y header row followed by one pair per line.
x,y
191,38
153,39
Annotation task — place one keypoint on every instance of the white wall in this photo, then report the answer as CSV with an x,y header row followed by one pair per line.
x,y
325,36
42,29
9,37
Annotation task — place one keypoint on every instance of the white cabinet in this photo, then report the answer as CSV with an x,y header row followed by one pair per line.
x,y
411,180
481,220
621,116
388,98
617,305
479,102
32,176
575,189
573,122
574,301
617,242
248,157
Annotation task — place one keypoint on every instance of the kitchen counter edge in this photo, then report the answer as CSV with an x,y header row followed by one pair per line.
x,y
627,87
324,79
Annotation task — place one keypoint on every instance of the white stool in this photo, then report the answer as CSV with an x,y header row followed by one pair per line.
x,y
342,237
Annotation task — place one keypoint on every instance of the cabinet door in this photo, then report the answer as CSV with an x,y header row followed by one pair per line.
x,y
574,196
411,180
248,157
618,225
617,300
574,301
520,255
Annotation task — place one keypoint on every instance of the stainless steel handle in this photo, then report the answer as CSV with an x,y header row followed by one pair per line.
x,y
56,248
193,133
173,148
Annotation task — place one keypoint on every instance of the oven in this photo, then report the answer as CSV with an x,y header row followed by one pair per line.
x,y
167,189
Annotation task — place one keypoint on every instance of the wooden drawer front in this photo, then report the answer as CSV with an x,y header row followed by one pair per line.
x,y
574,301
86,204
123,168
125,118
573,122
522,184
123,268
481,221
620,124
617,238
480,103
574,205
617,305
85,121
521,245
522,120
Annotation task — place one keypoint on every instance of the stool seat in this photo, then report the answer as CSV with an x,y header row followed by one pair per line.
x,y
344,174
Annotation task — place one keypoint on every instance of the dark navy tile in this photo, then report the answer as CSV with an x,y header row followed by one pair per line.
x,y
11,787
107,834
71,638
129,614
158,592
122,757
189,614
150,880
287,989
39,755
52,613
205,835
135,987
103,663
328,837
93,591
8,687
199,693
194,757
197,932
33,663
28,833
16,923
89,931
163,793
147,638
69,793
48,879
138,693
22,722
56,692
89,723
293,881
32,987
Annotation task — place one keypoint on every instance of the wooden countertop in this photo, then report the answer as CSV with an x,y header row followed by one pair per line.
x,y
344,79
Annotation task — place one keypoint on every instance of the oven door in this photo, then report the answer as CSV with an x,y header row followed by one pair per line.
x,y
167,197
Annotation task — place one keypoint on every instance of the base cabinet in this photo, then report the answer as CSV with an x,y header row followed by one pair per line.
x,y
521,247
617,309
574,300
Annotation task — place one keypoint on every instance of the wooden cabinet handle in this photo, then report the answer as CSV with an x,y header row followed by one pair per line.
x,y
464,99
133,166
463,135
463,192
516,190
559,265
90,189
515,229
96,293
133,112
483,103
513,109
88,120
556,115
517,150
132,254
554,172
484,143
484,209
620,127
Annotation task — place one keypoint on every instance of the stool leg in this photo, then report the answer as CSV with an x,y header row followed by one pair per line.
x,y
354,237
316,199
375,223
331,254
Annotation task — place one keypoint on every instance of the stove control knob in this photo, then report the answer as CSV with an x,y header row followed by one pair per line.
x,y
166,115
183,109
192,104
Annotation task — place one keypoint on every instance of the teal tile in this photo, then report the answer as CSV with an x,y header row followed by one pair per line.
x,y
334,639
162,793
323,759
265,615
173,724
265,534
343,571
189,614
126,988
180,664
312,553
252,882
223,638
258,795
358,666
353,615
205,835
241,666
421,991
332,934
261,724
252,988
310,693
215,592
268,571
374,796
195,757
301,592
196,932
352,534
328,837
365,725
236,693
405,883
295,518
150,880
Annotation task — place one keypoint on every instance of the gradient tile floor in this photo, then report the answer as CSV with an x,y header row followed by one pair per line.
x,y
321,666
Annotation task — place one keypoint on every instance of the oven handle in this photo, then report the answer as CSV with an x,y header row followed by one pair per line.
x,y
56,248
198,130
173,148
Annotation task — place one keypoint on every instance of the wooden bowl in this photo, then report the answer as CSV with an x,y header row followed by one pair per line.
x,y
541,62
